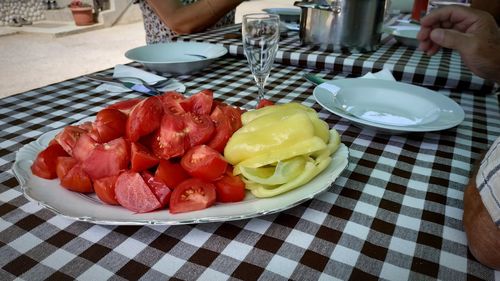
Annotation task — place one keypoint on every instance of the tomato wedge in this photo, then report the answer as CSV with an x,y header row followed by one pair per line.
x,y
170,141
199,103
126,105
159,188
107,159
199,128
171,173
83,147
68,136
172,103
141,159
230,189
45,164
223,130
204,162
234,116
264,103
105,190
133,193
191,195
144,118
110,124
77,180
64,164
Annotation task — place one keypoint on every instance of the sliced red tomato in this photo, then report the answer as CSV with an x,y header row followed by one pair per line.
x,y
84,145
234,116
132,192
64,164
77,180
126,105
264,103
144,118
172,103
86,126
170,141
204,162
105,190
230,189
45,164
159,188
199,103
141,158
199,128
68,136
191,195
110,124
107,159
171,173
223,130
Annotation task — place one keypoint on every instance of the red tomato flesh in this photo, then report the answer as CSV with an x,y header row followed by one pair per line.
x,y
45,164
159,188
230,189
83,147
133,193
200,103
77,180
170,141
64,164
191,195
107,159
204,162
110,124
126,105
144,118
68,137
141,158
264,103
223,130
105,190
199,128
171,173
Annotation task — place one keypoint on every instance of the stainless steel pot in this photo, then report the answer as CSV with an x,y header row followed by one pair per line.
x,y
342,25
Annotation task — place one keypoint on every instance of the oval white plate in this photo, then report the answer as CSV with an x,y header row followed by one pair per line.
x,y
77,206
389,106
177,57
404,34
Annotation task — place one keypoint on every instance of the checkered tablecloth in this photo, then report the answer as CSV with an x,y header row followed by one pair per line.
x,y
395,213
443,70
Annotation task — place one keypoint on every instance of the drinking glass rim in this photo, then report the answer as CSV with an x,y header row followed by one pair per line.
x,y
261,16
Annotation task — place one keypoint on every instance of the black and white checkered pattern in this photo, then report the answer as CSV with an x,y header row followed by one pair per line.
x,y
443,70
395,213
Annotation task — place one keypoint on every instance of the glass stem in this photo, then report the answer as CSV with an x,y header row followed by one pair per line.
x,y
261,82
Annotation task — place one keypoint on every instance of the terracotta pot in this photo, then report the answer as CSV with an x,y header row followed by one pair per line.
x,y
83,15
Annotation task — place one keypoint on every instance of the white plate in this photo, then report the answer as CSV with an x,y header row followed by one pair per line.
x,y
177,57
77,206
389,106
404,34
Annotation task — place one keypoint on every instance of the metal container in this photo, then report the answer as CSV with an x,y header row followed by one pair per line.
x,y
342,25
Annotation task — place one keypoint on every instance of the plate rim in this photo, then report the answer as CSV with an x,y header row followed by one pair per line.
x,y
24,177
427,127
220,48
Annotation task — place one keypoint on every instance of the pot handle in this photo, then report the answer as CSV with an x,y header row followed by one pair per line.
x,y
333,7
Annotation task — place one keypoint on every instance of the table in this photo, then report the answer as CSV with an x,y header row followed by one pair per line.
x,y
394,213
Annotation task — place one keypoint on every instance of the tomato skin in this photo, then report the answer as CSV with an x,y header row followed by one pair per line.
x,y
204,162
45,164
68,137
110,124
223,130
107,159
141,158
264,103
172,174
133,193
199,103
170,141
105,190
159,188
199,128
77,180
191,195
144,118
230,189
126,105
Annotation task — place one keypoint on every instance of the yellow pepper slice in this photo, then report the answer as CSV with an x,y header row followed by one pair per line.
x,y
284,172
285,109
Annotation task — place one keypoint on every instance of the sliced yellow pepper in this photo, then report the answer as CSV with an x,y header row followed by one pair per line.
x,y
284,109
284,172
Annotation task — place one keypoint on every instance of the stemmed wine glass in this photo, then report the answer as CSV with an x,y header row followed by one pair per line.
x,y
260,34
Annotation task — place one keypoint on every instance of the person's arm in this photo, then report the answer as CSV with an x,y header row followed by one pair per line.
x,y
473,33
185,19
482,233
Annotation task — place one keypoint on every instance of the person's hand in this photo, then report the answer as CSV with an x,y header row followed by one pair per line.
x,y
473,33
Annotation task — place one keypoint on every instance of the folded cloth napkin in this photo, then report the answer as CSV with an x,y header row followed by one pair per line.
x,y
384,74
128,71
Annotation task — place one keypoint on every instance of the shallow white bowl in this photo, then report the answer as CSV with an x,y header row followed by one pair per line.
x,y
176,57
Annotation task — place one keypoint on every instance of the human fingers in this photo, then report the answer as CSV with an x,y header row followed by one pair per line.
x,y
456,17
448,38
